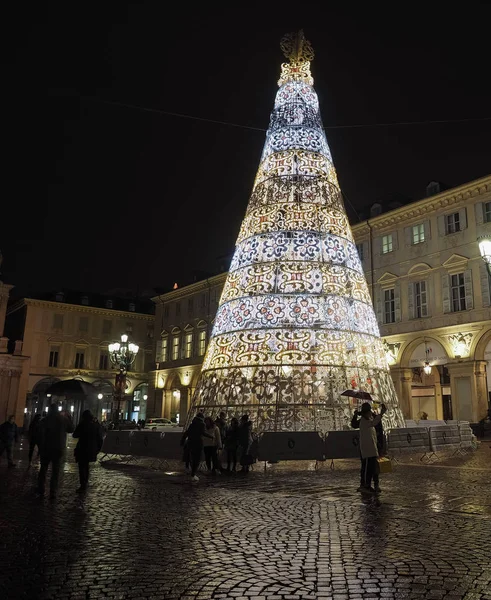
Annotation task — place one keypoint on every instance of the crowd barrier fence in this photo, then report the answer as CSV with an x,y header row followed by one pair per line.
x,y
274,447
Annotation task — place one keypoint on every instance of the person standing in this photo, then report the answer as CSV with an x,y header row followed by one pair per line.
x,y
211,445
232,444
194,435
52,445
368,447
34,436
8,437
90,438
245,441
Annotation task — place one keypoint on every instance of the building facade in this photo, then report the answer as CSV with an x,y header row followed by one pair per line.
x,y
431,293
183,322
13,367
67,338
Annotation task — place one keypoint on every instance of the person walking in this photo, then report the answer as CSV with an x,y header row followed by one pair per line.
x,y
232,444
52,445
245,441
90,438
8,437
34,436
211,445
194,435
368,447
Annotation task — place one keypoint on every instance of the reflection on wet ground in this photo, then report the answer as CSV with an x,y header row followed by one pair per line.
x,y
291,532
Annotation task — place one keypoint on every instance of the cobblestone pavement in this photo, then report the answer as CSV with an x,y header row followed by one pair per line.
x,y
289,533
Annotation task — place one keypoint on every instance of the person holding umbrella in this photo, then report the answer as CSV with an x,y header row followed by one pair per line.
x,y
368,447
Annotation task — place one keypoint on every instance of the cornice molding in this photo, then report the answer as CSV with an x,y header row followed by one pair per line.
x,y
191,289
421,208
81,308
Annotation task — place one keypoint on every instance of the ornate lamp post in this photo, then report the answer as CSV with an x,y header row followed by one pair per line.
x,y
485,250
122,355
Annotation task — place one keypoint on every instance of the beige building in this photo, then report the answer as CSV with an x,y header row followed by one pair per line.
x,y
13,366
67,337
183,323
431,292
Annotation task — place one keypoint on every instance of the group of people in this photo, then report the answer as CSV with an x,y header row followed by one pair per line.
x,y
48,434
209,436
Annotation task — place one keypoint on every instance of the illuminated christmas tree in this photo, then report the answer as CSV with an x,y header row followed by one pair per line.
x,y
295,326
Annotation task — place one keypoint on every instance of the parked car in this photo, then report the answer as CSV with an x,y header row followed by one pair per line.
x,y
159,423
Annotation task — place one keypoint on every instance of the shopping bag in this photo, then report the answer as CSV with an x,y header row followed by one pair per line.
x,y
384,464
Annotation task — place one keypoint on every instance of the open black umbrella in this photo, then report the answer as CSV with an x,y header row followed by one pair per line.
x,y
71,387
360,394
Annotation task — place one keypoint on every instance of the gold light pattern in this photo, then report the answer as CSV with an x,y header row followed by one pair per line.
x,y
295,325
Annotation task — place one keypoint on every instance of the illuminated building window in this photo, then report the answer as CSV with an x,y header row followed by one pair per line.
x,y
389,306
418,233
202,342
103,361
387,244
164,350
79,360
175,347
452,223
487,212
188,345
420,299
53,357
457,287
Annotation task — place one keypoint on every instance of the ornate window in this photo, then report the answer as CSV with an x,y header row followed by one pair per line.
x,y
164,350
103,361
457,289
175,347
53,357
79,360
188,345
389,306
202,342
452,223
418,233
387,244
420,299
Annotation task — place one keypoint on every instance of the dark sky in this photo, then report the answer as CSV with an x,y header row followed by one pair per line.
x,y
98,196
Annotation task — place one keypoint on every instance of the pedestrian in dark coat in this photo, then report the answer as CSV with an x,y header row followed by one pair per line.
x,y
34,435
245,441
90,438
194,436
52,445
232,444
8,437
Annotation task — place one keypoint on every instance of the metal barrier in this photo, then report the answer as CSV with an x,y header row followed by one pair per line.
x,y
301,445
341,444
116,443
444,438
408,440
298,445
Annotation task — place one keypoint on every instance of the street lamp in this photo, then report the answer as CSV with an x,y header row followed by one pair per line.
x,y
122,355
485,250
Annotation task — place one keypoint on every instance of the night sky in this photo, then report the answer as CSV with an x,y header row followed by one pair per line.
x,y
98,196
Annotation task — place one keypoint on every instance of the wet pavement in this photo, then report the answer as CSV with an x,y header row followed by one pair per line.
x,y
289,533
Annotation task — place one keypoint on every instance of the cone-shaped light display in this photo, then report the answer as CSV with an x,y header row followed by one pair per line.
x,y
295,326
